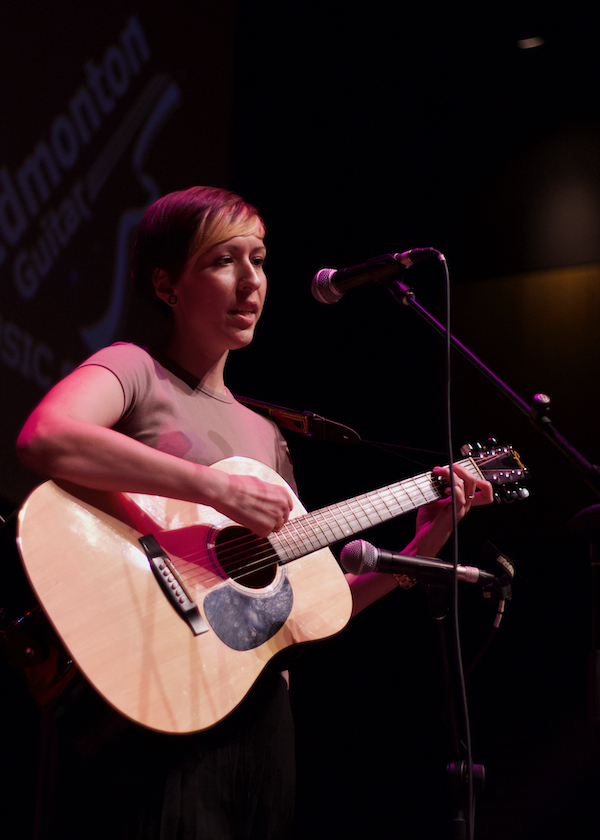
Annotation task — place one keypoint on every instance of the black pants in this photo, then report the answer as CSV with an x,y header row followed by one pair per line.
x,y
233,782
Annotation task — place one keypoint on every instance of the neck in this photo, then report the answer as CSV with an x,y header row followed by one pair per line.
x,y
210,371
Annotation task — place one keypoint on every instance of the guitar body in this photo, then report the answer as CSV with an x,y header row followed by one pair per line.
x,y
171,610
81,551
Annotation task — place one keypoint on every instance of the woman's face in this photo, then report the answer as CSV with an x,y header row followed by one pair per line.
x,y
220,295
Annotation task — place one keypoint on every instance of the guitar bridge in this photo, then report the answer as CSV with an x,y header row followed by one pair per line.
x,y
171,584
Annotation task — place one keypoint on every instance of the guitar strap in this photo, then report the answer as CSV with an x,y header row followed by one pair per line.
x,y
305,422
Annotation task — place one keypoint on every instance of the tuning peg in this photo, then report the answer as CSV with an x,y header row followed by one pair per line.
x,y
512,492
470,448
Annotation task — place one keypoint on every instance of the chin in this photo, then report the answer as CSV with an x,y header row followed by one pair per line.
x,y
242,340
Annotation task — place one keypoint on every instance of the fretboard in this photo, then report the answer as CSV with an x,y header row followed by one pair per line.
x,y
328,525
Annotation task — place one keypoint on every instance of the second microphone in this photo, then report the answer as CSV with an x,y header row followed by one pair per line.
x,y
360,557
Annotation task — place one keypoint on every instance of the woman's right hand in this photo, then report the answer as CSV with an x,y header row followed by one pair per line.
x,y
255,504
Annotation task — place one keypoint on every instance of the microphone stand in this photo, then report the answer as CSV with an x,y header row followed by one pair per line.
x,y
464,782
538,414
465,779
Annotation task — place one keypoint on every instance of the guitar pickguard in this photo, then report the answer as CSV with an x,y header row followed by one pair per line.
x,y
243,621
253,602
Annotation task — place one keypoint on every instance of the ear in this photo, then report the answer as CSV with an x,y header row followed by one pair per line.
x,y
162,284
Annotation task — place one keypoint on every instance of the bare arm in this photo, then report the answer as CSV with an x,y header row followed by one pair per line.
x,y
70,436
434,527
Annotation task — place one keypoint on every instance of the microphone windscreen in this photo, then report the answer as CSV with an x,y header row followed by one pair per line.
x,y
359,557
323,288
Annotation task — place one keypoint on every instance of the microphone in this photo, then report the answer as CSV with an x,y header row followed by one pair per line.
x,y
329,284
360,558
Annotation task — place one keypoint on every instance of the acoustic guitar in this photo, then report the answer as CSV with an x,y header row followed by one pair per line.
x,y
171,610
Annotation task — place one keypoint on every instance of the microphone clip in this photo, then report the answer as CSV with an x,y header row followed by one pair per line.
x,y
400,291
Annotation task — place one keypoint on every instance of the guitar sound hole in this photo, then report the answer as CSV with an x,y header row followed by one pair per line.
x,y
248,559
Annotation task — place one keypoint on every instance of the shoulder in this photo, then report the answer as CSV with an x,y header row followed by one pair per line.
x,y
120,354
132,365
123,359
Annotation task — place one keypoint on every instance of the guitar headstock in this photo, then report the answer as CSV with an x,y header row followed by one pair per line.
x,y
501,466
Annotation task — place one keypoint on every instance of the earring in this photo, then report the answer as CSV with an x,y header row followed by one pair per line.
x,y
172,300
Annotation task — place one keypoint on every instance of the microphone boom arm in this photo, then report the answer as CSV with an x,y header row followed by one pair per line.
x,y
537,412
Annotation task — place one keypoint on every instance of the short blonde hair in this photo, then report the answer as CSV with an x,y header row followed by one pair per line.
x,y
184,225
223,224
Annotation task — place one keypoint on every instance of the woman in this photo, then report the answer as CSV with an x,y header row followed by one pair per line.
x,y
154,421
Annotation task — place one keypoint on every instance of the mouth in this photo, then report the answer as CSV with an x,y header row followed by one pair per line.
x,y
247,309
245,316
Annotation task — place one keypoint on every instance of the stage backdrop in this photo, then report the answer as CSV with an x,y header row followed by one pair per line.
x,y
103,109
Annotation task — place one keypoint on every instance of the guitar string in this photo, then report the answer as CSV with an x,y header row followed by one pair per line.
x,y
334,513
296,540
300,543
268,556
298,534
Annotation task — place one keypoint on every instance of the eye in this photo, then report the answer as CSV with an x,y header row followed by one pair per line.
x,y
224,259
258,261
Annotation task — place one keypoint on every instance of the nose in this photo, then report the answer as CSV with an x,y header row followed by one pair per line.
x,y
251,275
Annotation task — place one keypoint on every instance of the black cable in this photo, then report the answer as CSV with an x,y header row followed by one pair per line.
x,y
460,675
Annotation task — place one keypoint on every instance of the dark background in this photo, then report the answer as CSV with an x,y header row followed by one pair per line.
x,y
359,132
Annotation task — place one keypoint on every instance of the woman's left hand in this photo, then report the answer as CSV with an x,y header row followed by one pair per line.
x,y
434,521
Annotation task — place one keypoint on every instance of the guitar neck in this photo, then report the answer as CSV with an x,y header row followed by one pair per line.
x,y
328,525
